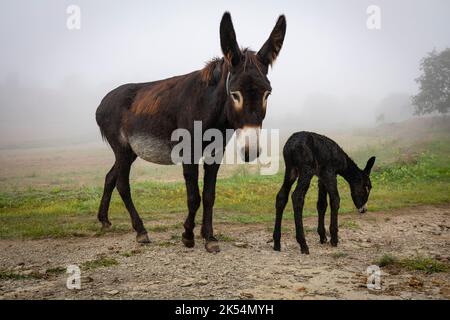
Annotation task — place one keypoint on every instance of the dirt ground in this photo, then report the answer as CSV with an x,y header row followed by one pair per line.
x,y
246,268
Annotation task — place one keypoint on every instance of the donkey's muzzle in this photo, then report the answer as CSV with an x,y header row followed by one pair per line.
x,y
363,209
249,155
248,143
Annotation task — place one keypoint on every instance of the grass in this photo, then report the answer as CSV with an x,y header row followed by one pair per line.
x,y
422,177
225,238
349,224
99,263
10,275
418,263
55,271
339,254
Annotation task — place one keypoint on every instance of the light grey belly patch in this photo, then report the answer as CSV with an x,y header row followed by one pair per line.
x,y
151,148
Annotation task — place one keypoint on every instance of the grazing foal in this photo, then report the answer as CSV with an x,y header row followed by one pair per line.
x,y
307,154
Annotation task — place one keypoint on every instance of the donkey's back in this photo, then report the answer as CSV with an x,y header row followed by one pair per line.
x,y
314,150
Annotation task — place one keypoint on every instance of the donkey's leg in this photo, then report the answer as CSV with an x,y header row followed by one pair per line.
x,y
123,163
298,200
110,184
330,182
290,175
209,196
190,173
321,209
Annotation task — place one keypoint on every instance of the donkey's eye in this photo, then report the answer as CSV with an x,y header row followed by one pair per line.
x,y
238,100
265,96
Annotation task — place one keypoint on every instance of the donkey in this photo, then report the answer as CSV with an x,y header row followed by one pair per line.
x,y
137,120
307,154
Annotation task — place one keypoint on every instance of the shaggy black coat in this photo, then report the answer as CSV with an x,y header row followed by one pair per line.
x,y
307,154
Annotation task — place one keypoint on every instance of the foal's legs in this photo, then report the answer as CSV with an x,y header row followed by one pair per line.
x,y
209,195
123,166
190,173
110,184
330,182
298,200
290,175
321,209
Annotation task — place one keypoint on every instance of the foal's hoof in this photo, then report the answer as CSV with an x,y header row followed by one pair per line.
x,y
106,225
334,242
277,246
323,240
212,246
304,250
142,238
189,243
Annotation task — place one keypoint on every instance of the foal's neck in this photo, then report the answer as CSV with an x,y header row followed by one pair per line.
x,y
351,172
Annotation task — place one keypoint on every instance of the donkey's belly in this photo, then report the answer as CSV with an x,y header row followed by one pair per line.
x,y
151,148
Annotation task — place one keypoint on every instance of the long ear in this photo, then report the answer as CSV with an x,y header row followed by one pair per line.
x,y
228,42
369,165
270,50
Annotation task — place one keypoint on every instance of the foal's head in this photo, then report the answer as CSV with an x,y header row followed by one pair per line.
x,y
361,186
247,85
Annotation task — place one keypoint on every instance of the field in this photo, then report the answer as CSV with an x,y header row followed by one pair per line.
x,y
49,197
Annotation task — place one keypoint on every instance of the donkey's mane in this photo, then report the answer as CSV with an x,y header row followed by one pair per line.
x,y
249,58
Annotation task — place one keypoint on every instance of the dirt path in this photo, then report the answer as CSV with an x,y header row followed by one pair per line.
x,y
247,267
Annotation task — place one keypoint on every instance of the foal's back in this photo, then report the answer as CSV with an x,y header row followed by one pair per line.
x,y
313,150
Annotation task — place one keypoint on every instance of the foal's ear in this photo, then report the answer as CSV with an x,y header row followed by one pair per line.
x,y
369,165
228,42
271,48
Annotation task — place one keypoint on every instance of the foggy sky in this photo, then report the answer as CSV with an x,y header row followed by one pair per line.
x,y
332,70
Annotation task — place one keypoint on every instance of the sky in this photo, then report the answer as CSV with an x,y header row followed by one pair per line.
x,y
332,72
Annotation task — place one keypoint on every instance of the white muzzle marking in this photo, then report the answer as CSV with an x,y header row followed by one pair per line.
x,y
247,140
363,209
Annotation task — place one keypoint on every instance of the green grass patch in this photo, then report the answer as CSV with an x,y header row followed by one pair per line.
x,y
349,224
387,260
339,254
56,271
225,237
425,264
418,263
99,263
10,275
244,198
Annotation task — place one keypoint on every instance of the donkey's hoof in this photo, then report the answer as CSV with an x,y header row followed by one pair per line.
x,y
106,225
323,240
189,243
277,247
304,250
142,238
212,246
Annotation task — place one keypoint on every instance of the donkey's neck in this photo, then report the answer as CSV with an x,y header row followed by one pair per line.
x,y
351,172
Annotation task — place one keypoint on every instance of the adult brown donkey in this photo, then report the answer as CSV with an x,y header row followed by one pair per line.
x,y
138,119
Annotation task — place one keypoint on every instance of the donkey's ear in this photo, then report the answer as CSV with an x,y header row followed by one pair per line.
x,y
369,165
228,42
271,48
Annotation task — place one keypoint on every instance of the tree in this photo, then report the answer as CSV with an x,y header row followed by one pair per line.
x,y
434,84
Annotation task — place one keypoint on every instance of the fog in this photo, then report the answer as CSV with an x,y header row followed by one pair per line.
x,y
332,73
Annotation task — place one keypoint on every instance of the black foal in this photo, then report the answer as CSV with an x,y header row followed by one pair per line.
x,y
307,154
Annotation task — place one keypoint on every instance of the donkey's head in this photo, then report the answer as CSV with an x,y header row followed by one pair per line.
x,y
361,186
247,85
